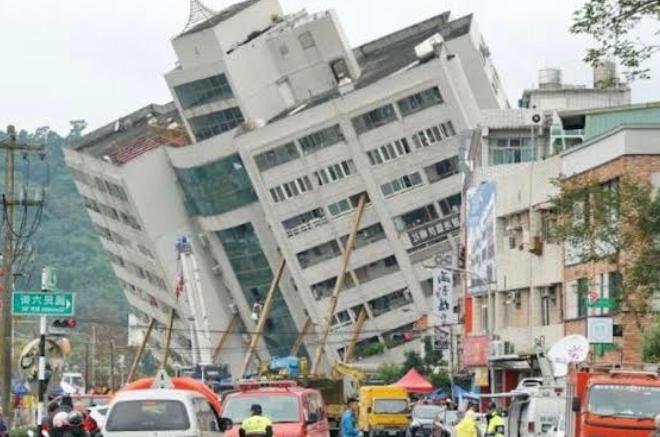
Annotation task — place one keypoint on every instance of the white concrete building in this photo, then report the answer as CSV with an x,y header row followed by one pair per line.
x,y
291,126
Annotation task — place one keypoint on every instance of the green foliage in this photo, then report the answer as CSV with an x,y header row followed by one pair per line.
x,y
651,344
389,373
613,24
66,240
374,348
22,432
413,361
616,222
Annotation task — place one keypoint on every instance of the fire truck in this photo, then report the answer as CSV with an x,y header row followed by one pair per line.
x,y
611,402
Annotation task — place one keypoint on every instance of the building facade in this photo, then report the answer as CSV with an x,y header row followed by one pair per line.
x,y
290,127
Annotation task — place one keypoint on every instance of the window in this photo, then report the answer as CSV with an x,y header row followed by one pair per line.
x,y
615,288
335,172
321,139
203,91
318,254
284,408
401,184
582,296
277,156
116,191
373,119
389,302
215,123
254,275
450,205
291,189
304,222
340,69
324,288
377,269
306,40
434,134
217,187
346,205
389,152
366,236
148,415
206,419
511,150
442,170
420,101
416,217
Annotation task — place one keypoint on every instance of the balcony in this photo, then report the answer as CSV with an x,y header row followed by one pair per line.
x,y
378,269
308,226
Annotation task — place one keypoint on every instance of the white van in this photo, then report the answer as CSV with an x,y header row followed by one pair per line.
x,y
162,413
536,412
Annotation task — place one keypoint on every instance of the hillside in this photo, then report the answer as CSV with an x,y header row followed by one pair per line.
x,y
65,239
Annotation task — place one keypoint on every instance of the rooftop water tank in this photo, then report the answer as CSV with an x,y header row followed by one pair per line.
x,y
549,78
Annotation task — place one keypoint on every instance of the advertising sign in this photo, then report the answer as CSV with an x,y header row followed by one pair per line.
x,y
442,339
475,351
481,237
443,297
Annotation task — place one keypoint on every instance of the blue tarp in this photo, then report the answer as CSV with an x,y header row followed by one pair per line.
x,y
438,394
458,392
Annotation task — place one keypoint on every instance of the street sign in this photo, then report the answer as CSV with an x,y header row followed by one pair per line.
x,y
603,303
600,329
27,303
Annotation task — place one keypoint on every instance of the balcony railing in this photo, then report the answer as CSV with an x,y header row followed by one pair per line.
x,y
308,226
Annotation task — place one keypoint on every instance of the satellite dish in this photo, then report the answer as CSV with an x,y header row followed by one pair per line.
x,y
28,362
571,349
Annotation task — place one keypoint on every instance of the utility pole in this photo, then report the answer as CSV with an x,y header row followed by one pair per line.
x,y
112,365
94,355
87,379
10,146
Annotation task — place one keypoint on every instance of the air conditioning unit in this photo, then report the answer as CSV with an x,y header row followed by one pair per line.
x,y
536,245
534,119
496,348
426,49
203,240
217,270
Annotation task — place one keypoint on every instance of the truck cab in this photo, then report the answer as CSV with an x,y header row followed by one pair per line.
x,y
294,411
620,403
384,411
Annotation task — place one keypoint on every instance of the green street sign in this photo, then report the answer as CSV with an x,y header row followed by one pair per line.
x,y
28,303
603,303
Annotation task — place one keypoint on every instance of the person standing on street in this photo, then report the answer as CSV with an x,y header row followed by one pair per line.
x,y
496,423
256,424
348,426
468,426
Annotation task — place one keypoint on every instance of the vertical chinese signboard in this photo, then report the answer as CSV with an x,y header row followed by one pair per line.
x,y
443,306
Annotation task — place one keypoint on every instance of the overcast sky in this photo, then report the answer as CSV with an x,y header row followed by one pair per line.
x,y
99,60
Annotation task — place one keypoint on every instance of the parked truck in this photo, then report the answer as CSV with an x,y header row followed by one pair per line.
x,y
383,411
611,403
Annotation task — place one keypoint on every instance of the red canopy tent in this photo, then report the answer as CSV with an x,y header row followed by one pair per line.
x,y
414,383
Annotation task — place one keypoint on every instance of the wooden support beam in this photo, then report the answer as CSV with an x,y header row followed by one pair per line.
x,y
301,337
359,323
168,339
138,356
224,337
348,250
263,316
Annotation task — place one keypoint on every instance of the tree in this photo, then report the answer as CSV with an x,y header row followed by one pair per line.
x,y
389,373
612,23
651,344
413,361
616,222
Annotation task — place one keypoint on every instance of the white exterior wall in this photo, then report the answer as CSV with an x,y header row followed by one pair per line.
x,y
524,188
561,100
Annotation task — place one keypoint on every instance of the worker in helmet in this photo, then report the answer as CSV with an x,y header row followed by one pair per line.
x,y
256,424
496,423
